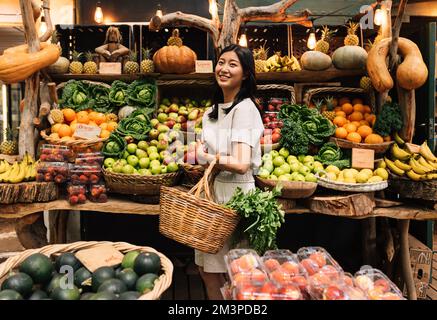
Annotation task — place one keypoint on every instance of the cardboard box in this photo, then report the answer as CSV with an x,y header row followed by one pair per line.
x,y
421,265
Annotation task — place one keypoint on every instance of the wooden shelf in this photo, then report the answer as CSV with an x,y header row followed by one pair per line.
x,y
296,76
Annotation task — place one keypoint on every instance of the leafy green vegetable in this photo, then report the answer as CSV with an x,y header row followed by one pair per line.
x,y
118,93
142,93
137,125
99,99
114,146
261,216
75,95
389,120
293,138
331,154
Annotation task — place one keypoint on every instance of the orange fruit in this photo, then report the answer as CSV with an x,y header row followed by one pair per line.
x,y
340,113
339,121
64,131
367,109
374,138
112,125
359,107
337,109
350,127
347,108
341,133
104,126
92,115
364,131
343,100
56,127
387,139
356,123
82,117
357,101
105,134
354,137
371,119
69,114
100,118
73,126
356,116
364,123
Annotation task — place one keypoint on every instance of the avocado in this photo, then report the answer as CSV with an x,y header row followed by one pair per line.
x,y
39,267
38,295
146,282
104,295
129,277
86,296
100,275
117,271
55,282
116,286
129,259
129,295
65,294
9,294
80,276
147,262
20,282
67,259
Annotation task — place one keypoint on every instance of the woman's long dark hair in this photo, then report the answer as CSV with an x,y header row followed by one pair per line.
x,y
248,86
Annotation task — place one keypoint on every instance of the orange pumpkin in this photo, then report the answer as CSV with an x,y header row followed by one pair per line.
x,y
175,57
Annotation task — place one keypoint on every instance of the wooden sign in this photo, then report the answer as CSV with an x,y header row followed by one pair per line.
x,y
110,68
363,158
204,66
102,256
412,148
84,131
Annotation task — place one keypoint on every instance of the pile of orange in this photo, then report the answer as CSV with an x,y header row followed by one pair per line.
x,y
354,121
65,130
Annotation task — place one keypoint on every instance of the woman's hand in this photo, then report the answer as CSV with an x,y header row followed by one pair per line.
x,y
202,157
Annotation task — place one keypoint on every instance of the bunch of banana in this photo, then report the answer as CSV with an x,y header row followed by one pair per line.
x,y
18,171
276,63
416,166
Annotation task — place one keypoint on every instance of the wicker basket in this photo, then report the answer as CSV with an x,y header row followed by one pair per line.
x,y
194,219
368,95
96,143
278,87
191,174
135,184
290,189
346,144
352,187
162,284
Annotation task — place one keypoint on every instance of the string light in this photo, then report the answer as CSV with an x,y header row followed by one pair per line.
x,y
98,14
379,17
311,42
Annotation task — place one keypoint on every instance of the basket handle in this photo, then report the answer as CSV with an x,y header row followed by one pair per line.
x,y
203,184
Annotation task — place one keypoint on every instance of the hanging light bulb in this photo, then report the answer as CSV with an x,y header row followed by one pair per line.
x,y
42,26
213,8
379,17
98,14
311,42
158,11
243,40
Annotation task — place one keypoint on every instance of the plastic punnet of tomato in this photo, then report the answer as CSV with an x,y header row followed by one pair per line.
x,y
340,291
268,290
55,153
376,285
244,265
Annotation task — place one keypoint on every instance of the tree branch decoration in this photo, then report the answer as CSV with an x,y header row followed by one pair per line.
x,y
226,32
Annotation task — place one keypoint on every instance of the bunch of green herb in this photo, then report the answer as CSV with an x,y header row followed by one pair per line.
x,y
389,120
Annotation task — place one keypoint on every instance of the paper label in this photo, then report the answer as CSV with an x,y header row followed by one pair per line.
x,y
413,148
102,256
84,131
363,158
204,66
110,68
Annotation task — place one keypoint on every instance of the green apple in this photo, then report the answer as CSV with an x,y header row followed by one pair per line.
x,y
268,165
125,154
163,154
163,136
162,117
155,169
123,161
145,172
304,170
117,166
111,170
144,163
263,173
310,178
140,153
278,161
174,135
172,167
153,134
177,127
309,165
301,157
162,145
291,159
163,128
274,153
294,166
318,164
294,175
154,163
132,160
154,122
286,168
267,157
154,156
128,169
283,178
273,177
278,172
143,145
131,148
284,152
152,149
108,162
163,168
308,159
299,177
154,143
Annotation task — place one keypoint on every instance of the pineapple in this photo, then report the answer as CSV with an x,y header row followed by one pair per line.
x,y
351,38
329,113
10,145
76,66
90,67
260,56
131,66
57,115
175,40
147,65
365,83
323,44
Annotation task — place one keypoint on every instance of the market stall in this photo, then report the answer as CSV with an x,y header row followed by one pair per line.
x,y
122,141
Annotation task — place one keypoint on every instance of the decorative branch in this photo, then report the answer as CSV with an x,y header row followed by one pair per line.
x,y
300,18
396,30
46,7
36,9
276,9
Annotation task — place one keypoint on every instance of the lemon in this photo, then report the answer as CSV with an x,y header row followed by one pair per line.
x,y
349,174
332,169
382,164
381,172
362,177
331,176
375,179
350,180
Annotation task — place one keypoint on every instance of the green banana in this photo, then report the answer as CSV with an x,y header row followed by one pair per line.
x,y
424,163
426,152
402,165
398,139
414,176
417,167
399,153
393,168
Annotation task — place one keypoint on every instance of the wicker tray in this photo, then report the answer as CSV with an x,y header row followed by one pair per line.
x,y
162,284
352,187
140,185
191,174
290,189
346,144
265,148
77,143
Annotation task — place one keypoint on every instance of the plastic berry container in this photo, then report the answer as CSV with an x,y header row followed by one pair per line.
x,y
341,291
97,193
55,153
314,259
76,194
52,172
85,174
267,290
244,265
376,285
89,159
